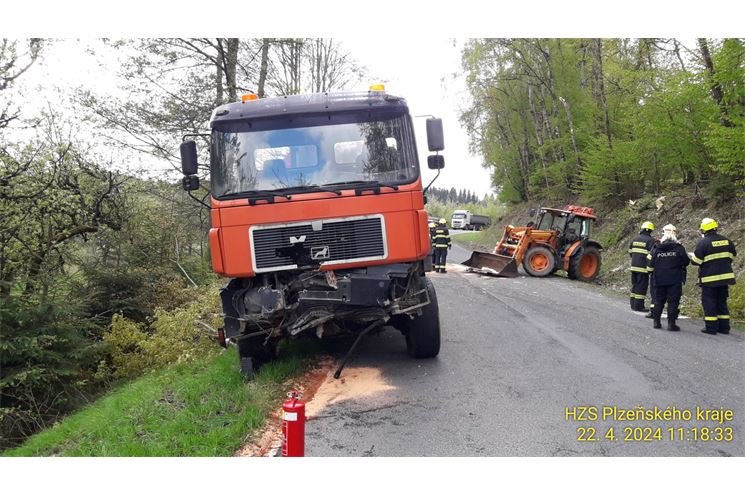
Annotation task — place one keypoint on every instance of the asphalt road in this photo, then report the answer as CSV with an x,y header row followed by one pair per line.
x,y
516,355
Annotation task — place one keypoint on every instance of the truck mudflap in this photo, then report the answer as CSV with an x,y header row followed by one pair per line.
x,y
490,264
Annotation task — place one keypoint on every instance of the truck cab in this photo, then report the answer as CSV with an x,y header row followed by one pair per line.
x,y
318,219
460,219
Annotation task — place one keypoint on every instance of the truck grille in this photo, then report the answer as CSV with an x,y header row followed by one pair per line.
x,y
347,240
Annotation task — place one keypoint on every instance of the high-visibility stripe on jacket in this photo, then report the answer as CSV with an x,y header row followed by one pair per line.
x,y
714,255
639,249
441,239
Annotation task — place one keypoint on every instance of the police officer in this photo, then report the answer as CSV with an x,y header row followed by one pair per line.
x,y
441,242
714,255
639,249
667,265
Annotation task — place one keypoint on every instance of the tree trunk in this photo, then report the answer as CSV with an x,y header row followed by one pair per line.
x,y
716,90
538,133
219,88
676,49
568,111
231,63
296,56
264,66
597,70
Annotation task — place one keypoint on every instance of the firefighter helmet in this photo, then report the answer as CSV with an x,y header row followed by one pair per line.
x,y
708,224
443,221
432,225
648,225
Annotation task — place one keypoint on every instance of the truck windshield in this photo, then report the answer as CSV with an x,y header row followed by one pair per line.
x,y
300,152
459,216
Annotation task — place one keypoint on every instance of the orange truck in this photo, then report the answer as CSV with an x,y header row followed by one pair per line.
x,y
318,219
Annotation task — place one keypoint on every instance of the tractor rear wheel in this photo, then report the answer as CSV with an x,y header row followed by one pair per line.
x,y
539,261
585,265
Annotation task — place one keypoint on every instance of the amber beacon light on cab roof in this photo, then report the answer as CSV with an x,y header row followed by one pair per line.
x,y
318,219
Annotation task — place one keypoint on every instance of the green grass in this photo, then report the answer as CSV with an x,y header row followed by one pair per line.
x,y
203,408
481,240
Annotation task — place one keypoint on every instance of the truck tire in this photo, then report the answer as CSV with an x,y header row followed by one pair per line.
x,y
585,265
423,332
253,354
539,261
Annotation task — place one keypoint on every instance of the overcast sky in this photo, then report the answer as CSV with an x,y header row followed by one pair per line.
x,y
409,45
422,70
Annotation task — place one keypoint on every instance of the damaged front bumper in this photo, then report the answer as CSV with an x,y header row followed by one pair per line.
x,y
276,305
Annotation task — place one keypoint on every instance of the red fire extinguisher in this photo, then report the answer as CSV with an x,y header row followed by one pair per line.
x,y
293,425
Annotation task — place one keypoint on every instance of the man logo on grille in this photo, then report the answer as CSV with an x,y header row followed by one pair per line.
x,y
319,252
294,240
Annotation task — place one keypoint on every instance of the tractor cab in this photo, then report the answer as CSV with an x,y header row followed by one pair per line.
x,y
571,224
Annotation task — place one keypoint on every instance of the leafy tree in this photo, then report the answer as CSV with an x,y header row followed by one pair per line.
x,y
15,59
605,120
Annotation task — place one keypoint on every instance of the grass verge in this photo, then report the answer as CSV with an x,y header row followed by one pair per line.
x,y
202,408
481,240
468,237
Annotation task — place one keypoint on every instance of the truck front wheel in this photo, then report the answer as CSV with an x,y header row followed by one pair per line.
x,y
423,332
253,353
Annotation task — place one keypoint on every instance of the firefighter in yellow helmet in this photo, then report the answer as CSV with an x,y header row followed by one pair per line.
x,y
441,242
432,227
639,250
714,255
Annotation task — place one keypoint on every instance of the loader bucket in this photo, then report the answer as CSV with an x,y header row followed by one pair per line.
x,y
495,265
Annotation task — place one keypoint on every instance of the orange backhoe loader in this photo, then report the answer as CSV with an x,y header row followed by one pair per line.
x,y
556,239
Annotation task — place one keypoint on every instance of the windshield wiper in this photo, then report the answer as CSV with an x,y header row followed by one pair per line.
x,y
256,195
360,186
310,188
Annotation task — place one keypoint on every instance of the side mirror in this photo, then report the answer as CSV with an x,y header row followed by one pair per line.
x,y
435,135
189,157
531,213
190,183
436,162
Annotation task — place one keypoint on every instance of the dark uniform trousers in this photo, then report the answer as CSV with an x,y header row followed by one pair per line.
x,y
639,286
639,250
714,255
666,294
716,313
441,255
441,242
